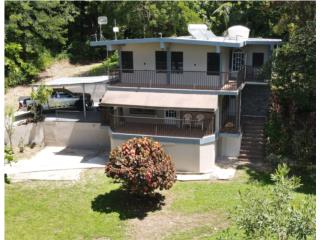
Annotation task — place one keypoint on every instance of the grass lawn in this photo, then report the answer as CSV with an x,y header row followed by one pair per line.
x,y
95,208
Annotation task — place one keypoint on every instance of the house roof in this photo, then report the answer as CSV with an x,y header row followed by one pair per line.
x,y
64,81
216,41
160,100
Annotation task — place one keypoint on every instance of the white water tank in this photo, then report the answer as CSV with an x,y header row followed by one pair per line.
x,y
238,31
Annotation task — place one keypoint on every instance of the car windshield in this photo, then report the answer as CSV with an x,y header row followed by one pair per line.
x,y
61,95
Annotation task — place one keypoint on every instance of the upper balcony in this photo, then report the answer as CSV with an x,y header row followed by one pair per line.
x,y
197,80
200,80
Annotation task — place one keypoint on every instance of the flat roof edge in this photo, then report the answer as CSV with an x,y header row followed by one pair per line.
x,y
225,43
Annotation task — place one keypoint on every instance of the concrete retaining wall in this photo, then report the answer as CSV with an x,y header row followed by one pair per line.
x,y
70,134
29,133
76,134
188,154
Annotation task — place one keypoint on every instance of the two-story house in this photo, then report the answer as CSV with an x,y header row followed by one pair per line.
x,y
185,92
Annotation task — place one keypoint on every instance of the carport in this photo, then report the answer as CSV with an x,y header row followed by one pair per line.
x,y
77,81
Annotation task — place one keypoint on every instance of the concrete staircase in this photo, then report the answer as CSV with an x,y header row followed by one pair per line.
x,y
253,140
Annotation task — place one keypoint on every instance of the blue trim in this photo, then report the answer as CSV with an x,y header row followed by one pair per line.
x,y
185,140
167,40
223,134
187,41
263,42
174,90
208,139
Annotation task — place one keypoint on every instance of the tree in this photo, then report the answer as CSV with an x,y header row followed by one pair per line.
x,y
35,31
274,214
142,166
9,124
40,97
291,126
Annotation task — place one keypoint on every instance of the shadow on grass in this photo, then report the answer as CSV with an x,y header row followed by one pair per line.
x,y
262,176
126,204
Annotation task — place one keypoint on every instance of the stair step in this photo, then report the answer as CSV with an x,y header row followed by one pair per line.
x,y
253,139
253,148
253,124
253,142
243,155
253,130
246,134
241,158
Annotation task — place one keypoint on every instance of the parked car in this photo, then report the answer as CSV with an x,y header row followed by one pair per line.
x,y
60,98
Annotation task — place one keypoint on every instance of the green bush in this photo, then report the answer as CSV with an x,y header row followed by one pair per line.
x,y
275,214
8,155
142,166
40,96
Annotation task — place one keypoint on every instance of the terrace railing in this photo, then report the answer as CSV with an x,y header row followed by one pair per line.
x,y
162,126
174,79
254,74
202,80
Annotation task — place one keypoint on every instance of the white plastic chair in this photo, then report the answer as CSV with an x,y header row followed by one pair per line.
x,y
199,120
187,118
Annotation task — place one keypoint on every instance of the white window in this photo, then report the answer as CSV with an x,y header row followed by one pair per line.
x,y
170,117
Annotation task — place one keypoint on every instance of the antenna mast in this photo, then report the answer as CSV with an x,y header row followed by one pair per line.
x,y
115,29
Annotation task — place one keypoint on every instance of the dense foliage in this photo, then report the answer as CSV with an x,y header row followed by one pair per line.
x,y
141,165
35,33
275,214
291,128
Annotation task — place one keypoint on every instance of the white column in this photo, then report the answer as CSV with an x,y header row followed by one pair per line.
x,y
84,101
168,64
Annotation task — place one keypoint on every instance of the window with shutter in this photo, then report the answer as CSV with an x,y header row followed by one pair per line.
x,y
257,59
213,63
127,61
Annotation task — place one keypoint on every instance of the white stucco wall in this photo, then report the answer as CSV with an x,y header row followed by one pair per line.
x,y
229,145
187,157
207,157
257,49
194,56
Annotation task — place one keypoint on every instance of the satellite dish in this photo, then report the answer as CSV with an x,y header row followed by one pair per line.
x,y
200,31
102,20
237,31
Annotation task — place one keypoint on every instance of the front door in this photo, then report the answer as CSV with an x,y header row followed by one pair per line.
x,y
238,60
170,117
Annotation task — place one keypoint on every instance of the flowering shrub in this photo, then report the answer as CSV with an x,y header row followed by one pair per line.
x,y
141,165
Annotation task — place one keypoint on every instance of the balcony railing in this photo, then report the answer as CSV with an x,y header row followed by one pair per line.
x,y
174,79
254,74
162,126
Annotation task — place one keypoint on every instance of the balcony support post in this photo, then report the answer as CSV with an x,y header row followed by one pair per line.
x,y
238,112
84,101
120,62
168,64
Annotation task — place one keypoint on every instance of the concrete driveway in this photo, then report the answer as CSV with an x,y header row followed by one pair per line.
x,y
56,163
